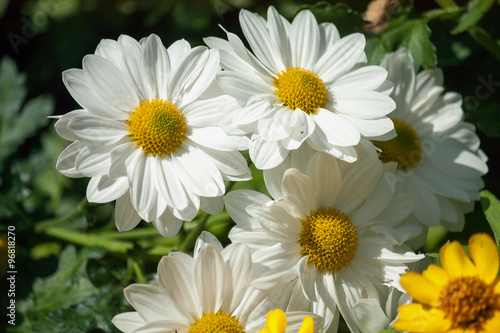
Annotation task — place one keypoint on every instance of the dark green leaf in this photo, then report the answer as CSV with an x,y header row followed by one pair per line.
x,y
68,286
485,115
345,19
476,9
412,34
15,124
389,331
491,208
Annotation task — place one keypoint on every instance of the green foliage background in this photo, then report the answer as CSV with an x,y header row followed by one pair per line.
x,y
72,264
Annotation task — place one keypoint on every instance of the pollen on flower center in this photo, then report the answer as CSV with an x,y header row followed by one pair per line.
x,y
467,302
211,322
299,88
157,126
329,239
405,148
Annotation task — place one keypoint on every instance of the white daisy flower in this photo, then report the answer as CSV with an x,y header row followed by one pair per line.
x,y
145,136
331,228
439,160
209,293
304,84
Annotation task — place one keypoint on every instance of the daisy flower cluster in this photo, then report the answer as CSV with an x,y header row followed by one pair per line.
x,y
359,161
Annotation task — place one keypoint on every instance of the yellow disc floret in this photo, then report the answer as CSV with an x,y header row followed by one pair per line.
x,y
467,302
299,88
158,127
405,148
211,322
329,239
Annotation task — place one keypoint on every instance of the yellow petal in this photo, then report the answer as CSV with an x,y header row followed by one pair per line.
x,y
307,325
496,289
414,318
420,288
276,321
455,261
436,274
484,253
265,330
493,324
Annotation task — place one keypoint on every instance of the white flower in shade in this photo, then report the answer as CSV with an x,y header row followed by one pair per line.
x,y
147,134
439,160
304,84
209,293
331,228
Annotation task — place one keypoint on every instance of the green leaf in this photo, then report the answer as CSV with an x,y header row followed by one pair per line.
x,y
401,32
345,19
389,331
486,117
68,286
491,209
476,9
15,124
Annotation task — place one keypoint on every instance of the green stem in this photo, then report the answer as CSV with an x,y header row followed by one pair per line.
x,y
191,237
42,225
89,240
447,4
138,272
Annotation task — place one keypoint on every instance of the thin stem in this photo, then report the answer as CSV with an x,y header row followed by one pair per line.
x,y
447,4
138,272
42,225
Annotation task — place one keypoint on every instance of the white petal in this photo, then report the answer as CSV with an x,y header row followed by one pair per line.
x,y
206,238
167,224
77,85
149,301
362,79
157,65
239,263
427,208
363,104
341,57
255,30
277,27
66,163
212,206
399,64
231,164
109,83
193,75
61,125
175,278
307,277
335,129
128,322
375,128
215,138
240,87
237,201
104,189
198,173
97,130
369,316
266,154
324,170
126,217
210,278
177,51
301,188
305,38
93,161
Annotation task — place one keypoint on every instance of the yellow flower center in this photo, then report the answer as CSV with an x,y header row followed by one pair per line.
x,y
299,88
468,302
405,148
211,322
157,126
329,239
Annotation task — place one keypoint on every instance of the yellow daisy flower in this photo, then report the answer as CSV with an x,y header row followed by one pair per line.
x,y
276,323
462,296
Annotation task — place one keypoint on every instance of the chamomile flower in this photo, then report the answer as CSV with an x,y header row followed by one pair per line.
x,y
207,293
328,229
439,160
147,132
460,296
304,84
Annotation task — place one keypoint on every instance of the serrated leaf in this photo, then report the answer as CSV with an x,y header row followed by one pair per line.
x,y
69,285
476,9
345,19
412,34
491,209
16,125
